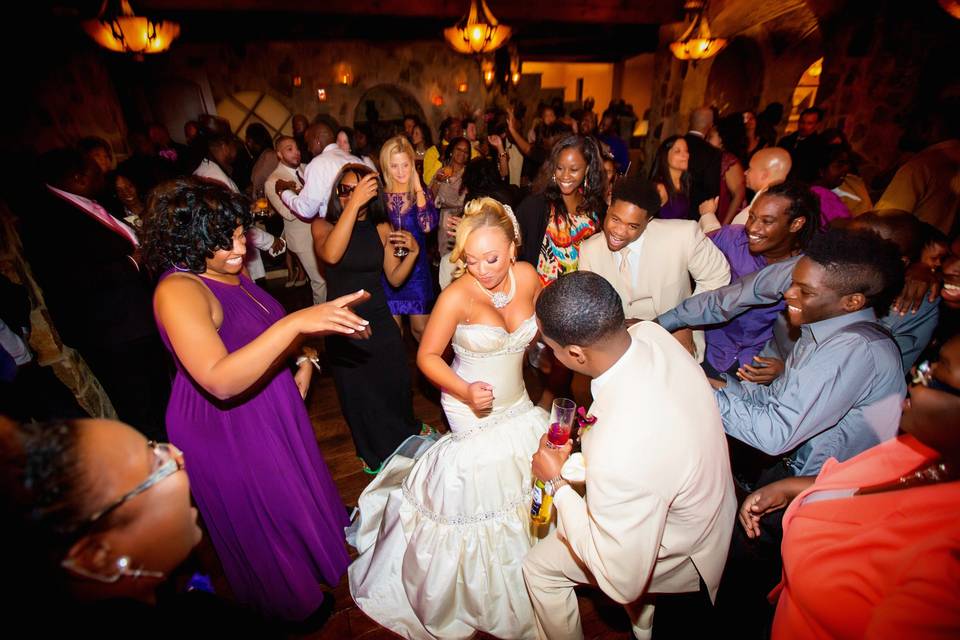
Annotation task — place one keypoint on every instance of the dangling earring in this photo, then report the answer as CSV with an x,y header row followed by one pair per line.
x,y
554,179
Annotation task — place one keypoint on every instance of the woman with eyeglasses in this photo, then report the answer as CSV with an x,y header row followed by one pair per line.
x,y
97,519
271,507
372,378
871,546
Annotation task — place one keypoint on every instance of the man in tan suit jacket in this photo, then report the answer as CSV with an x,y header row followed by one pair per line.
x,y
650,262
660,503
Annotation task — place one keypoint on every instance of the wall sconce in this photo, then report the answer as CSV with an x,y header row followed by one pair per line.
x,y
298,81
487,69
437,100
322,95
515,66
462,87
344,74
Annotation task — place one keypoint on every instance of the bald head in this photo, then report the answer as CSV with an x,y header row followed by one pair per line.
x,y
768,167
701,120
317,137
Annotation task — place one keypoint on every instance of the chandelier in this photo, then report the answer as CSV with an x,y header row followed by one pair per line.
x,y
117,28
697,43
477,32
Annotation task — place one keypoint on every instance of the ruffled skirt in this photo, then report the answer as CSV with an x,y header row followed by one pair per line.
x,y
442,538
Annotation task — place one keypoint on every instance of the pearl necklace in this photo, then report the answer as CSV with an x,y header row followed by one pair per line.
x,y
500,299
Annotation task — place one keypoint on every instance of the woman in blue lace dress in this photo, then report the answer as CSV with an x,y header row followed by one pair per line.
x,y
410,208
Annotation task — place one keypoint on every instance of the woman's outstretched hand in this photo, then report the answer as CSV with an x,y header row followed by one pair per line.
x,y
336,317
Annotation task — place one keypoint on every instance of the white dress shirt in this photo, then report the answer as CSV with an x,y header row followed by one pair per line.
x,y
318,182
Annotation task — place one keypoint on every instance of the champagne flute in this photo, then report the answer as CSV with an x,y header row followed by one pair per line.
x,y
561,422
398,251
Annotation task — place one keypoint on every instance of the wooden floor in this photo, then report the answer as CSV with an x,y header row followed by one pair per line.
x,y
602,618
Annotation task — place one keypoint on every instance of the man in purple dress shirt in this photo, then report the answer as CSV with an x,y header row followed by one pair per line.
x,y
780,224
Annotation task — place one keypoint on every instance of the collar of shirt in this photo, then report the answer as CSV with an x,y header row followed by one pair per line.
x,y
823,329
97,210
212,171
604,378
695,133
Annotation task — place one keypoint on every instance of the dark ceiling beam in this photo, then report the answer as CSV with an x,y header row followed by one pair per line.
x,y
579,11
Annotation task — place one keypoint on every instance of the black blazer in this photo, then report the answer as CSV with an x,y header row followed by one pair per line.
x,y
704,169
96,295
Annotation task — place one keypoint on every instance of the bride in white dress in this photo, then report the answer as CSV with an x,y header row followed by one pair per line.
x,y
442,539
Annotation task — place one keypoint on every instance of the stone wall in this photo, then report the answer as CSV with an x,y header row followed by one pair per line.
x,y
66,96
49,351
887,76
428,71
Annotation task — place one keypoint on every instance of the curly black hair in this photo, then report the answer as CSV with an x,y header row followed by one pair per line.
x,y
43,507
188,219
580,308
594,183
859,261
801,203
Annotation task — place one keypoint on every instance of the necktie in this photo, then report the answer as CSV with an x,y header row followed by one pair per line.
x,y
300,177
625,274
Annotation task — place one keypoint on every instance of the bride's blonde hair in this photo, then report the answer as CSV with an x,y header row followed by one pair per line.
x,y
477,214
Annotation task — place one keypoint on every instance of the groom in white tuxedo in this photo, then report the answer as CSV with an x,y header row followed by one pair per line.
x,y
660,504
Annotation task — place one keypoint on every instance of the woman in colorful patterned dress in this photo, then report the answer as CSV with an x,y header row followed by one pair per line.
x,y
411,209
566,207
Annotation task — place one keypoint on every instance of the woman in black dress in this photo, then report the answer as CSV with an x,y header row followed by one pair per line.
x,y
372,379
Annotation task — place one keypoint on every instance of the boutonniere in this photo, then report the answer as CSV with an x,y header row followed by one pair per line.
x,y
585,421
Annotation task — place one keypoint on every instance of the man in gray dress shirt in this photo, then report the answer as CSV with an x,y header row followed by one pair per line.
x,y
843,384
911,330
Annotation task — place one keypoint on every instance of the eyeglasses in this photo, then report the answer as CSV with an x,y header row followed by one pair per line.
x,y
344,190
923,375
168,460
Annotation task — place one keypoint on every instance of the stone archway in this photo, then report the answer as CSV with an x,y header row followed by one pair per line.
x,y
381,109
735,82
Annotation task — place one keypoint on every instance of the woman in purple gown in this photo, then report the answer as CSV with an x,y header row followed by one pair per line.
x,y
265,494
409,209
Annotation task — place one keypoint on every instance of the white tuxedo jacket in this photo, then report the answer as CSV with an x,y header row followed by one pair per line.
x,y
660,504
674,251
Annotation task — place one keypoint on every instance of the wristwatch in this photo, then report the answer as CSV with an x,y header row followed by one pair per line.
x,y
552,486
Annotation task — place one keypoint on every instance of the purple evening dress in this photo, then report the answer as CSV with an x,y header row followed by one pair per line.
x,y
417,294
267,498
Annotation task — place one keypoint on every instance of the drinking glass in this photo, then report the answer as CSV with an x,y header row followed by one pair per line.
x,y
398,251
561,422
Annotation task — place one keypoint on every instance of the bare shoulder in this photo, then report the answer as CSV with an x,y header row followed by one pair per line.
x,y
178,285
185,291
526,275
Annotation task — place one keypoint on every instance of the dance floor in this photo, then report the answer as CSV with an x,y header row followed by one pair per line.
x,y
602,618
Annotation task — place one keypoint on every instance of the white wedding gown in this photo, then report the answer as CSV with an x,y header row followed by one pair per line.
x,y
442,539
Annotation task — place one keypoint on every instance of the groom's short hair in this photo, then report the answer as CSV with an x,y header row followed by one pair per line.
x,y
579,308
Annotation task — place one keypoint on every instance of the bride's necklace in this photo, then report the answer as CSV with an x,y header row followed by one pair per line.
x,y
500,299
